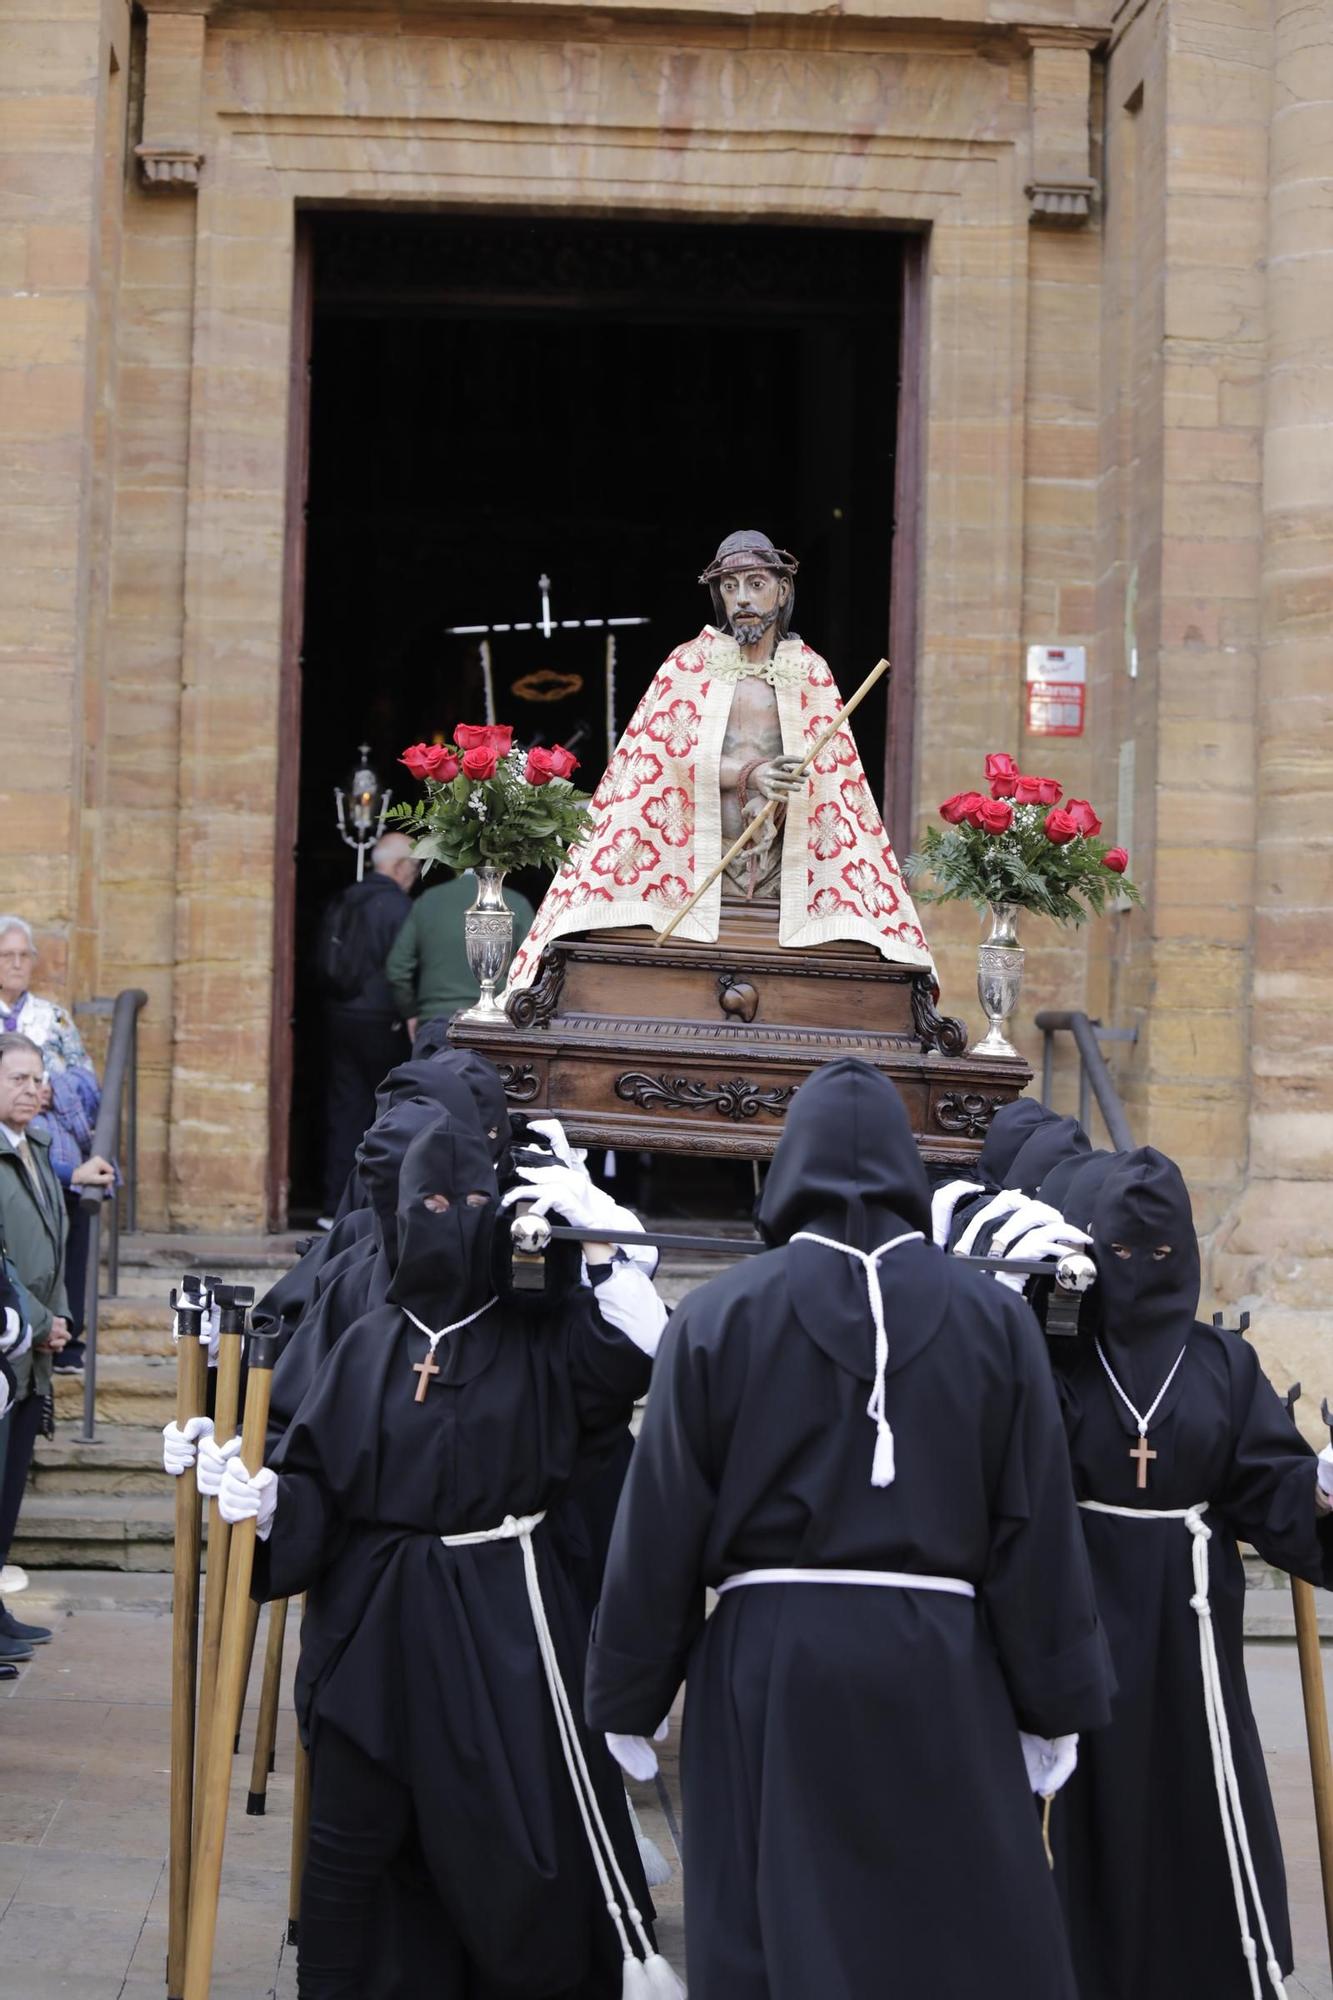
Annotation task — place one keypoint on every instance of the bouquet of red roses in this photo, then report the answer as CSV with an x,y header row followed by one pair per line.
x,y
1024,845
489,804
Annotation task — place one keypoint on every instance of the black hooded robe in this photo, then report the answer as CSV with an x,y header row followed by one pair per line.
x,y
426,1657
857,1813
1140,1856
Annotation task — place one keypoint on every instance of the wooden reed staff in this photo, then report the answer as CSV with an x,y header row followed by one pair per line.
x,y
300,1839
233,1303
266,1729
761,819
206,1882
1316,1710
191,1386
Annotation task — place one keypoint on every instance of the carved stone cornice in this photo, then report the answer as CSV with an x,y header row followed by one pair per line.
x,y
1064,204
168,166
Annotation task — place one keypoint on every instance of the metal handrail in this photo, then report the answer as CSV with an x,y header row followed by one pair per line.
x,y
1088,1036
120,1105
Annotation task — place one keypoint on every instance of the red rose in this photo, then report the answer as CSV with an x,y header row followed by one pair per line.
x,y
480,762
430,760
1003,774
496,736
961,807
1116,859
1060,827
543,765
993,816
1036,791
1084,818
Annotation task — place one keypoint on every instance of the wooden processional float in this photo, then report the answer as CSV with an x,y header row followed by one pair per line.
x,y
668,1044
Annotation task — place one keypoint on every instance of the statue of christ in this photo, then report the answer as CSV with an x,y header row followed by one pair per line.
x,y
723,728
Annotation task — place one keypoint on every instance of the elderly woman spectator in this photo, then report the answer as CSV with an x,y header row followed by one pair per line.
x,y
69,1108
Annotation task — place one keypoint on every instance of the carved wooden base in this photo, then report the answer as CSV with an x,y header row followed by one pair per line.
x,y
700,1048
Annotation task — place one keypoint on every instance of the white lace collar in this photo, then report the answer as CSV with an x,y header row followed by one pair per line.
x,y
727,663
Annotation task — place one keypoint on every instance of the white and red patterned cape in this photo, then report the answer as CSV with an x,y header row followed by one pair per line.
x,y
657,819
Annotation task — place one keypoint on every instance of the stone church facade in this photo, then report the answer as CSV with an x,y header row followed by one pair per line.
x,y
1122,439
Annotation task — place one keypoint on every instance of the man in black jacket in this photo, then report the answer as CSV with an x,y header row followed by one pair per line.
x,y
366,1036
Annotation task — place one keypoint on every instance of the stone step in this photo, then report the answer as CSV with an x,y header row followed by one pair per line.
x,y
96,1531
131,1389
126,1459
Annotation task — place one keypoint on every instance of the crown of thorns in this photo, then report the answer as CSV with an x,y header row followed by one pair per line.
x,y
760,556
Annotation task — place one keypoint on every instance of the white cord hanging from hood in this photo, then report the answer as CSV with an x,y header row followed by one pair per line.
x,y
883,1468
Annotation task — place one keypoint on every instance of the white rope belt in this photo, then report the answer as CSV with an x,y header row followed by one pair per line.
x,y
1234,1831
873,1579
652,1975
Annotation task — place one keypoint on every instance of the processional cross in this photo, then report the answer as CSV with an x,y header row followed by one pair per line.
x,y
548,626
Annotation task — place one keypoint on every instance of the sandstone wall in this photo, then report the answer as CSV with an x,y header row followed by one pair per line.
x,y
1124,428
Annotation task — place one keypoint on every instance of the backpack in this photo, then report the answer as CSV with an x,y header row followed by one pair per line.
x,y
344,957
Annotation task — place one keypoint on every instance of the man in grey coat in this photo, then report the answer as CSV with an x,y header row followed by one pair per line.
x,y
33,1226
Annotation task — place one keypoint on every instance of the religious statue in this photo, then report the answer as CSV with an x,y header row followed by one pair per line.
x,y
721,731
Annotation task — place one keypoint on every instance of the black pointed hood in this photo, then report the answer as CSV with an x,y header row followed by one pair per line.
x,y
458,1081
1011,1127
379,1160
1074,1183
1148,1269
1044,1149
846,1164
441,1262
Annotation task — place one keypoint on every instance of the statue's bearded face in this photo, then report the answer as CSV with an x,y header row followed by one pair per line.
x,y
752,600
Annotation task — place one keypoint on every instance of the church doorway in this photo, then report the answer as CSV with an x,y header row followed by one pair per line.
x,y
497,400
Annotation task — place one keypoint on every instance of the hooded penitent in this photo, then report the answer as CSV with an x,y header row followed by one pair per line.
x,y
1011,1127
447,1205
847,1169
1058,1139
1073,1184
380,1157
1148,1270
457,1081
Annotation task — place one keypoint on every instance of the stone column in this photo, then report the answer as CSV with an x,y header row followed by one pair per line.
x,y
1277,1246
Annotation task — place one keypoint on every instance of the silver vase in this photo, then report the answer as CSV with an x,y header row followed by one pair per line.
x,y
488,940
999,979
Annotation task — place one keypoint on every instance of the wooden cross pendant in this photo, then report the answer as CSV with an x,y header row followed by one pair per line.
x,y
425,1369
1138,1452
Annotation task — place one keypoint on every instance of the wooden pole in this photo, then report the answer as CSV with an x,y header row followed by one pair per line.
x,y
300,1840
207,1873
761,819
191,1386
226,1406
1316,1729
266,1729
251,1635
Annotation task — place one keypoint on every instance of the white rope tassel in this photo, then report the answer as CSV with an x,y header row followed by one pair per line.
x,y
883,1469
1235,1834
650,1978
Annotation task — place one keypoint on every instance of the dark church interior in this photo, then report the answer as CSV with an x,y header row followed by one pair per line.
x,y
494,400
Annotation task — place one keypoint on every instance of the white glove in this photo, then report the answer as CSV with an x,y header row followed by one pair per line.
x,y
1324,1474
635,1756
213,1462
210,1330
554,1134
1050,1761
178,1443
942,1205
1032,1216
242,1497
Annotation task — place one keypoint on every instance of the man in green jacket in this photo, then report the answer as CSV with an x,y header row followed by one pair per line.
x,y
33,1226
427,967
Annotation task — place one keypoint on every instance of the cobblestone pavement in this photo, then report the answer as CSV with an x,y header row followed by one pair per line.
x,y
83,1812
